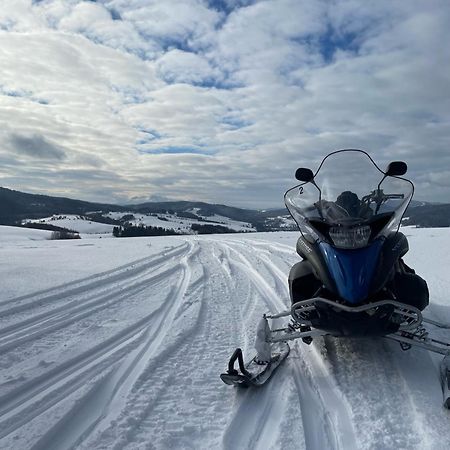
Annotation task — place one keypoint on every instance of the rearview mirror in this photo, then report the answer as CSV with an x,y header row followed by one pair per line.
x,y
396,169
304,174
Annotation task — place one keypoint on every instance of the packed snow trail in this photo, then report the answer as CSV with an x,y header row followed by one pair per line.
x,y
129,356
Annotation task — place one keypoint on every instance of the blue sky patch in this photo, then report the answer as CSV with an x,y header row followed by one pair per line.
x,y
14,93
115,15
173,150
228,6
129,95
22,94
331,41
235,123
180,42
146,136
149,132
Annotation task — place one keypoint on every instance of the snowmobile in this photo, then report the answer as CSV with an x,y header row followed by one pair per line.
x,y
352,280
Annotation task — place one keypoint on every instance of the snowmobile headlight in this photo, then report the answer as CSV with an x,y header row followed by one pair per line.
x,y
355,237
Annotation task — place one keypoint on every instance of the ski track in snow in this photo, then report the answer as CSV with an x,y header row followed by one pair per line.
x,y
324,417
110,396
42,392
130,359
81,302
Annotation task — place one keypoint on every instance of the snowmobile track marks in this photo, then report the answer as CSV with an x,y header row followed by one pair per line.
x,y
51,387
188,348
88,284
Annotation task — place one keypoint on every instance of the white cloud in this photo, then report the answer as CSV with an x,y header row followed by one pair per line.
x,y
259,89
177,66
172,20
84,16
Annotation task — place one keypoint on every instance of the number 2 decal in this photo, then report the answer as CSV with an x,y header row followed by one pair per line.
x,y
300,190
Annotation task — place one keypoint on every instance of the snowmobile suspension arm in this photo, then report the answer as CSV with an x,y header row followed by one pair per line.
x,y
430,344
436,324
289,336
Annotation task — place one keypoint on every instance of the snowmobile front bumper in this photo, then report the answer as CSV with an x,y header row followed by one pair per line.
x,y
372,319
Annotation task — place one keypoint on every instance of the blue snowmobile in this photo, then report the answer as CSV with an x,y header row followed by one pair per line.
x,y
352,280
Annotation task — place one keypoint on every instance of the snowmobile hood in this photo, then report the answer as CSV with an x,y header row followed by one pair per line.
x,y
352,270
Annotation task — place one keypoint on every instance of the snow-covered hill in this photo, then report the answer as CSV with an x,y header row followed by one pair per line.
x,y
87,227
119,343
14,234
182,224
81,224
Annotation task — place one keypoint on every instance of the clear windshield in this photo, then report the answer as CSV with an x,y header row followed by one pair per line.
x,y
347,193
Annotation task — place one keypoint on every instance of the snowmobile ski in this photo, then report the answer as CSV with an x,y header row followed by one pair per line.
x,y
445,380
254,372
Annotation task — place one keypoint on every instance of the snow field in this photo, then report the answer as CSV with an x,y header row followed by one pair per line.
x,y
118,344
17,234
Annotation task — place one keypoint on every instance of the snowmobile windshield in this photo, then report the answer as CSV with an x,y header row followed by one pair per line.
x,y
350,202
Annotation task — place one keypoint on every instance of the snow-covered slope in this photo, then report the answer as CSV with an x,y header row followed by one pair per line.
x,y
118,344
15,234
180,223
80,224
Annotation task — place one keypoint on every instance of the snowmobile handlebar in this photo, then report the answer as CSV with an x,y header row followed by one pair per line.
x,y
378,196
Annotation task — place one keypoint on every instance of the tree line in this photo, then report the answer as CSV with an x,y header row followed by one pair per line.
x,y
142,230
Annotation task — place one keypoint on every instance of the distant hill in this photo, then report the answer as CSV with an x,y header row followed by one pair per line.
x,y
200,208
428,216
17,206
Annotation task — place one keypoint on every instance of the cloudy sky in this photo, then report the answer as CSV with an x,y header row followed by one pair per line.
x,y
218,100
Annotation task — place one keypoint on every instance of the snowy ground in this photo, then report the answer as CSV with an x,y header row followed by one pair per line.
x,y
119,343
17,234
